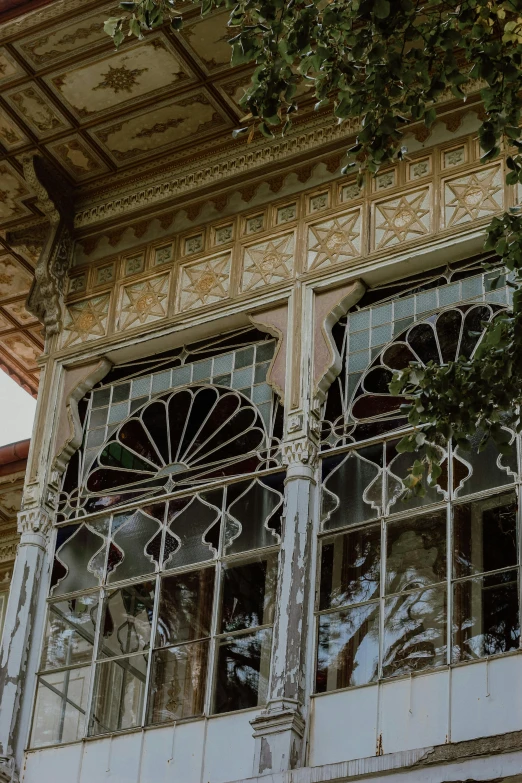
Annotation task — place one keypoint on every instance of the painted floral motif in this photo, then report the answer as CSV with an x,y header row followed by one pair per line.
x,y
22,348
402,218
204,282
13,279
144,302
19,313
268,262
473,196
36,110
120,79
86,320
334,240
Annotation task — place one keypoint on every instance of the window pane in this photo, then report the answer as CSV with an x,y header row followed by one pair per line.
x,y
193,531
485,535
352,488
254,514
61,702
119,692
127,620
477,471
178,678
248,594
398,466
80,559
414,631
185,608
348,649
485,616
69,635
242,672
416,552
137,538
350,568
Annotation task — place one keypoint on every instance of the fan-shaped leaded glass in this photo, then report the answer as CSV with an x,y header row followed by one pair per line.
x,y
191,416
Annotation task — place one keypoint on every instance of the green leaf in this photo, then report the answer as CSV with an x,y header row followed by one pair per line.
x,y
381,9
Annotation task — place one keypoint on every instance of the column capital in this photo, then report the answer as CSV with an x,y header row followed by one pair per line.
x,y
34,525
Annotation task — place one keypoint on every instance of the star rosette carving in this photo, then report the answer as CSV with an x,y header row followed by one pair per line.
x,y
402,218
473,196
205,282
268,262
86,320
335,240
144,302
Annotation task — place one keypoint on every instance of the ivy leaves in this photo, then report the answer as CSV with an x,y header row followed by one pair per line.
x,y
383,65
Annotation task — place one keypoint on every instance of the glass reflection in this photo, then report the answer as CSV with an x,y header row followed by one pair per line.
x,y
486,620
80,560
248,594
60,708
416,552
350,568
178,682
485,535
135,535
348,648
119,693
254,514
414,631
69,635
127,620
185,607
242,671
351,488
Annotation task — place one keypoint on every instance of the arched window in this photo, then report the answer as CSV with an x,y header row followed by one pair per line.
x,y
407,585
165,568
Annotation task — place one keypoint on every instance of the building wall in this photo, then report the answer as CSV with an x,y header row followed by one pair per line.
x,y
292,267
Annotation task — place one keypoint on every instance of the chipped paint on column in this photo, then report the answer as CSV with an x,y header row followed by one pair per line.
x,y
34,526
293,587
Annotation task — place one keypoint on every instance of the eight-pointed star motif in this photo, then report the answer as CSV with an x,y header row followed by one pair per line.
x,y
142,302
402,218
334,240
473,196
86,320
205,282
268,262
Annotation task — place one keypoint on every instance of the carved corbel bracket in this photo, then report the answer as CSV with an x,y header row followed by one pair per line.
x,y
329,306
54,199
275,322
77,382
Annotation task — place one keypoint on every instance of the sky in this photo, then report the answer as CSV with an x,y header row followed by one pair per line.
x,y
17,409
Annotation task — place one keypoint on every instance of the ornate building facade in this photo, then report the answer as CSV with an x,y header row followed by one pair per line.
x,y
217,578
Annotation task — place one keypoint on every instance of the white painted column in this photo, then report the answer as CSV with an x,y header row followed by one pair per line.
x,y
280,728
31,563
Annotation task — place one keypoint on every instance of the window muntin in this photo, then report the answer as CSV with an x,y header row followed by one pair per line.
x,y
426,320
404,585
197,414
187,629
163,584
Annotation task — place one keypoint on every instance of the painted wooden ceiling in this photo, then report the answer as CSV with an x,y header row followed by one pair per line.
x,y
98,115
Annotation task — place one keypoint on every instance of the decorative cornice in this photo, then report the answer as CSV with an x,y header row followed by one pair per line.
x,y
8,549
239,161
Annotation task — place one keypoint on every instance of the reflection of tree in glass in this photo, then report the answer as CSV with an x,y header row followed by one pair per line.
x,y
414,636
239,672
